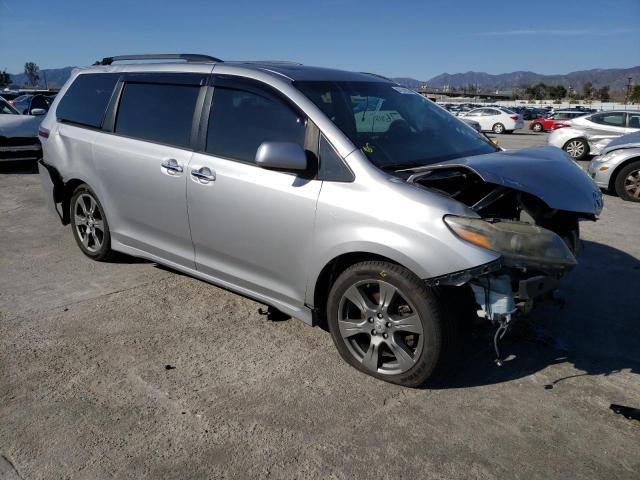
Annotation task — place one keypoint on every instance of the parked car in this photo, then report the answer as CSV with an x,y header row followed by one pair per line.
x,y
262,178
589,134
553,121
31,104
617,168
472,123
18,134
496,120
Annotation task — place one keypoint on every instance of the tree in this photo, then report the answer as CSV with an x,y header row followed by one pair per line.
x,y
557,92
587,90
5,78
537,92
635,94
31,72
603,94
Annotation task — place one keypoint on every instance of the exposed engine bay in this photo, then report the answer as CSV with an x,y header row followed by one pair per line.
x,y
538,243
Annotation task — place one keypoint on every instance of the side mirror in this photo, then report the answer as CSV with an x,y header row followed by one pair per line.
x,y
38,111
282,156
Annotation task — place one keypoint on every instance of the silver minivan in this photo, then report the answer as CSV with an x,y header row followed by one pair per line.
x,y
339,198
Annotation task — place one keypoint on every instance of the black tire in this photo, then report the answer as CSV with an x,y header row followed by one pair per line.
x,y
537,127
94,242
576,148
437,333
626,187
498,128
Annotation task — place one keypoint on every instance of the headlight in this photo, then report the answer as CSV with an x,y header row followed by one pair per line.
x,y
520,243
608,156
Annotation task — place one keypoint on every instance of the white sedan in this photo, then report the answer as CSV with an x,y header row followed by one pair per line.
x,y
496,119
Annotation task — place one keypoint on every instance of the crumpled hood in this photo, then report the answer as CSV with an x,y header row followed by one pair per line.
x,y
545,172
631,140
19,125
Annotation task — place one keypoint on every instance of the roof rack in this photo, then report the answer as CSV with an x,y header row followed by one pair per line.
x,y
188,57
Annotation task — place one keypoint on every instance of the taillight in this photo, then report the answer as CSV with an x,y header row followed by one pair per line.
x,y
43,132
514,117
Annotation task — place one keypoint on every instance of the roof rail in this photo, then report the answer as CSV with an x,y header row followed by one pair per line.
x,y
188,57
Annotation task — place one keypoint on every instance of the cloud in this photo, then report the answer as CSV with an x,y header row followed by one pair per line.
x,y
557,32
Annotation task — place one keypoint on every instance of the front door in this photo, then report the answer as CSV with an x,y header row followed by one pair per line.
x,y
251,227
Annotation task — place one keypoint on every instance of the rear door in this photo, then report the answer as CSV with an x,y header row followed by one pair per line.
x,y
251,227
143,162
608,122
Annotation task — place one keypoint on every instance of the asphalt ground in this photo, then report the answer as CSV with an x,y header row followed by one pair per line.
x,y
129,370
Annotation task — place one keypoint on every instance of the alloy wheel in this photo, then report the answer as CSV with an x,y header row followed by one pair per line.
x,y
380,327
575,148
88,222
632,184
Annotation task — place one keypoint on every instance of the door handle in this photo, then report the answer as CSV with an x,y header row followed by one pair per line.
x,y
172,165
204,174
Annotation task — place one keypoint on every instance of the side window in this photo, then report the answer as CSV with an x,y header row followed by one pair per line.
x,y
332,167
86,100
157,112
240,121
634,120
612,119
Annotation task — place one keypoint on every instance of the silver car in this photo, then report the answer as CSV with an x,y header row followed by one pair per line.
x,y
589,134
339,198
617,168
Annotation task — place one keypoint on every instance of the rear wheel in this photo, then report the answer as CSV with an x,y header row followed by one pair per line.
x,y
385,322
576,148
498,128
536,127
627,183
89,224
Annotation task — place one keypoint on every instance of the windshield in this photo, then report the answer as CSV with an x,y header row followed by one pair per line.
x,y
393,126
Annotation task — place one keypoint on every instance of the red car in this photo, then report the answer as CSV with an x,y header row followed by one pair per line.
x,y
556,120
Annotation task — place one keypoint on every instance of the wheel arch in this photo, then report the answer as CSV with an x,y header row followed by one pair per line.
x,y
65,197
332,269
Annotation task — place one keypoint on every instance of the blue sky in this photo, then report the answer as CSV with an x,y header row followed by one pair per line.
x,y
419,39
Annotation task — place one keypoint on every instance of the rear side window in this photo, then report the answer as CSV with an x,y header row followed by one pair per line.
x,y
86,99
613,119
241,120
157,112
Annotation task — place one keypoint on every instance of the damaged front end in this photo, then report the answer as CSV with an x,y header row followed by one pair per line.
x,y
528,211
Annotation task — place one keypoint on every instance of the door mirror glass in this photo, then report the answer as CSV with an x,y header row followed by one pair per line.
x,y
282,156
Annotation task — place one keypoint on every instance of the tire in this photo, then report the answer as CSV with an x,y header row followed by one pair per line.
x,y
89,224
627,182
576,148
384,306
498,128
537,127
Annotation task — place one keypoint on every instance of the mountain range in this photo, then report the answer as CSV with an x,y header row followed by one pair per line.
x,y
616,78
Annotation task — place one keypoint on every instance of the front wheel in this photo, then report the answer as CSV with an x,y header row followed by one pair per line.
x,y
627,183
498,128
89,224
536,127
385,322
